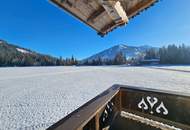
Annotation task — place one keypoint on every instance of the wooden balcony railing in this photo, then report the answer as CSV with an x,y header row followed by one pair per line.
x,y
124,107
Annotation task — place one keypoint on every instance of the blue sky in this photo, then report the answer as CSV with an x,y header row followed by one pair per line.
x,y
40,26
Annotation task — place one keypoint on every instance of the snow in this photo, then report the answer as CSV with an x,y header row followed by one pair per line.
x,y
36,97
175,67
22,50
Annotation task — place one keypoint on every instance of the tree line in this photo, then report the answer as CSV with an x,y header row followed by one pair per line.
x,y
34,60
119,59
172,54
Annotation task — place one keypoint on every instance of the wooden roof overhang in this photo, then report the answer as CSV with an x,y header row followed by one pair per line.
x,y
104,15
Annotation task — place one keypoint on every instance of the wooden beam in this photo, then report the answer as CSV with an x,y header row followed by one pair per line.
x,y
97,119
115,10
111,26
95,14
105,29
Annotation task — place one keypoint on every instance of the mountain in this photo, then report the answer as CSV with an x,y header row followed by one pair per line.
x,y
12,55
9,48
128,51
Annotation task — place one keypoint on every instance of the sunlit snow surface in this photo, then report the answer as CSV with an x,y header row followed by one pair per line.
x,y
35,98
22,50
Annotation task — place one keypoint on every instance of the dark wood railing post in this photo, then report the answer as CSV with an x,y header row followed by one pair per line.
x,y
97,118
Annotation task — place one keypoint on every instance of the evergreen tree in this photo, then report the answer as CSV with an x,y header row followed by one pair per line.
x,y
175,54
119,59
151,54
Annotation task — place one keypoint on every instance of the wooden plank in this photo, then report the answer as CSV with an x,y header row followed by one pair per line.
x,y
95,14
163,106
111,26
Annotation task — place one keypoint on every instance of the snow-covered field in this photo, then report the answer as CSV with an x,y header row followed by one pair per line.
x,y
35,98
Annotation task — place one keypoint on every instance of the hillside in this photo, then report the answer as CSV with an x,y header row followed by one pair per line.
x,y
12,55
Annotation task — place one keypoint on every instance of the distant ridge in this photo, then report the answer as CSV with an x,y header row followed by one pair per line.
x,y
13,55
128,51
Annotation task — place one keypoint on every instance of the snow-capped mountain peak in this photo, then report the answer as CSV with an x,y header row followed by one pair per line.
x,y
121,46
128,51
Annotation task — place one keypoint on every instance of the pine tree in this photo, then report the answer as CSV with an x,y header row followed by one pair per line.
x,y
119,59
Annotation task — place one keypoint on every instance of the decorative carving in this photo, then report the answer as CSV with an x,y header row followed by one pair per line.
x,y
161,106
152,101
143,105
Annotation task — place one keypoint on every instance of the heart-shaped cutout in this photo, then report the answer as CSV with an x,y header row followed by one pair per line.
x,y
152,101
161,106
143,105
